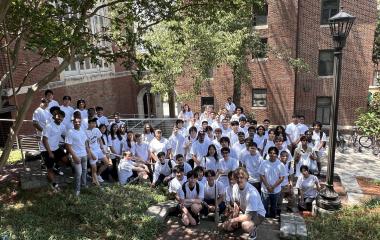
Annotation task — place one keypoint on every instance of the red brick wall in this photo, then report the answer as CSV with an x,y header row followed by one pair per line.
x,y
357,67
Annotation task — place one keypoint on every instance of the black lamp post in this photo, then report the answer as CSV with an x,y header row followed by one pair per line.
x,y
340,26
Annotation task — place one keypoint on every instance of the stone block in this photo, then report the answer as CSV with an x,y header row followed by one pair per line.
x,y
287,230
301,230
162,210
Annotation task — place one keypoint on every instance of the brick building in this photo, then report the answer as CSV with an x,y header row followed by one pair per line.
x,y
276,90
301,27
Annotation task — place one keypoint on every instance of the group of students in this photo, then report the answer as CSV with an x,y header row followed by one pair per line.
x,y
211,162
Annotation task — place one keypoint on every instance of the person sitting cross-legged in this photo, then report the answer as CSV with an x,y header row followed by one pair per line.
x,y
246,200
190,197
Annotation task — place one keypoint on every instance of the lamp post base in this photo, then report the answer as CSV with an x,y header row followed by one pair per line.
x,y
328,199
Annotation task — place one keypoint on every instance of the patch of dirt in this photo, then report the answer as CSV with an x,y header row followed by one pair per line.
x,y
10,182
368,186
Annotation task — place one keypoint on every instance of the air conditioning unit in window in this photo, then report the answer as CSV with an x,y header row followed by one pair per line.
x,y
260,103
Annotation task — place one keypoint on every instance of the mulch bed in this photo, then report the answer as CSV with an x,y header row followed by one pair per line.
x,y
368,186
10,182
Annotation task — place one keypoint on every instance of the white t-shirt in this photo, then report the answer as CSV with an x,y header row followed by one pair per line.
x,y
252,164
272,172
288,171
302,128
125,170
233,138
93,135
156,146
51,104
210,190
229,194
102,120
142,151
106,143
248,199
188,140
175,184
227,166
266,148
68,115
163,169
199,149
238,149
293,132
259,140
226,132
209,163
186,167
235,117
176,143
317,140
308,186
192,194
77,139
83,114
230,107
42,117
53,132
116,143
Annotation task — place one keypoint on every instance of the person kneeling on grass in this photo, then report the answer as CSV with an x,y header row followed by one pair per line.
x,y
213,190
246,200
176,183
128,169
162,170
190,197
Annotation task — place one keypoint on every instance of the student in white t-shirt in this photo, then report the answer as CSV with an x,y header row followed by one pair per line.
x,y
186,114
287,184
246,200
78,147
162,170
159,144
181,129
225,127
100,116
68,111
229,198
292,132
233,135
49,95
230,106
304,155
200,171
94,137
41,116
199,148
187,145
176,183
176,142
319,140
260,139
107,163
309,187
239,146
190,197
269,142
272,173
50,151
226,165
148,133
252,161
211,160
239,112
179,161
213,194
81,107
128,169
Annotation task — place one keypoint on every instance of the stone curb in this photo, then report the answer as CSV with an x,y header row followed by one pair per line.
x,y
292,226
161,210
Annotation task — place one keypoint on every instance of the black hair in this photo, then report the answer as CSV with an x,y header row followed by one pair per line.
x,y
192,129
178,121
204,122
215,154
230,175
272,130
241,108
105,133
273,149
116,134
208,128
198,169
92,120
225,139
98,108
54,108
66,97
225,149
178,168
178,156
241,134
253,122
210,173
266,120
192,173
160,154
151,130
81,101
304,167
48,91
234,123
317,123
252,144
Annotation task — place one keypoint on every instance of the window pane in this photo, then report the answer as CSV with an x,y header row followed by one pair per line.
x,y
261,16
259,97
326,115
323,110
329,9
326,63
261,50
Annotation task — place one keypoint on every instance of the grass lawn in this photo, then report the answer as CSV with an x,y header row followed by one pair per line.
x,y
358,222
114,212
14,156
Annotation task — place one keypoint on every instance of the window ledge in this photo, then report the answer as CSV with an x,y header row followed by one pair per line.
x,y
326,77
259,108
325,26
259,60
374,87
260,27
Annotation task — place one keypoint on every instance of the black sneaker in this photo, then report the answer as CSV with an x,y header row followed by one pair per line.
x,y
198,219
253,234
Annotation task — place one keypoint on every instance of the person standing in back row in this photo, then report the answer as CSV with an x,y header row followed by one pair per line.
x,y
230,106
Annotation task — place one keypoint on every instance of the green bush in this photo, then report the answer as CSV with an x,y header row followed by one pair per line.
x,y
113,212
369,122
358,222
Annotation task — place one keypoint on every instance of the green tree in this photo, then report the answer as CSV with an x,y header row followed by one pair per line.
x,y
59,29
369,122
193,46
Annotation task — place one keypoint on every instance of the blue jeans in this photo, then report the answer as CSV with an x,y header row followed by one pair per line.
x,y
270,203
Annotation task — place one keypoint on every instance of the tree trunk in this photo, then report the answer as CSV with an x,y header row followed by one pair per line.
x,y
171,100
21,113
4,5
236,87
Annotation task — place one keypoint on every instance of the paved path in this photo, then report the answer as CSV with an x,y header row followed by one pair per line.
x,y
349,165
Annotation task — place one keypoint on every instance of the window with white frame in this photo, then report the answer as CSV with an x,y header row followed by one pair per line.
x,y
259,97
96,24
376,78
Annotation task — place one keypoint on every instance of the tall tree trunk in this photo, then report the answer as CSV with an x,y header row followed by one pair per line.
x,y
171,100
236,87
21,113
4,5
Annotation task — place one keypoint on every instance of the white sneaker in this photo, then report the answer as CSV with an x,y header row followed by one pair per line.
x,y
100,179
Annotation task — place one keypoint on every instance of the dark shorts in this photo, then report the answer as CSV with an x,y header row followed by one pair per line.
x,y
58,155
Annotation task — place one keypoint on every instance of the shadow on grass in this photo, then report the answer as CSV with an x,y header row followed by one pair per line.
x,y
113,212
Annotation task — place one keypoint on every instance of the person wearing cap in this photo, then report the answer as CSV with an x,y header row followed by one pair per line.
x,y
159,144
41,116
50,151
49,96
199,148
230,106
66,107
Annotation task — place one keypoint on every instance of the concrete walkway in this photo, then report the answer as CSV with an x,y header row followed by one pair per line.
x,y
349,165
